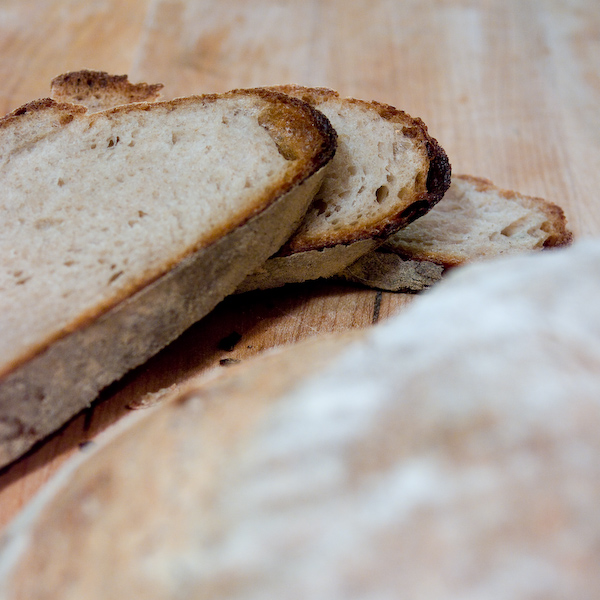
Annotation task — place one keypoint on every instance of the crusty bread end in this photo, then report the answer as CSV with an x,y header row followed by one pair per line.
x,y
98,90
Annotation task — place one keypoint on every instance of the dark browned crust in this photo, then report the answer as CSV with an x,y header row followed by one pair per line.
x,y
322,133
88,87
62,109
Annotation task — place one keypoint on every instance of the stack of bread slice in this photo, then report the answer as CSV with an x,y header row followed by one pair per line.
x,y
128,219
364,224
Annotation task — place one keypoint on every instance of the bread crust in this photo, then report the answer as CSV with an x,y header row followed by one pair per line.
x,y
63,373
93,88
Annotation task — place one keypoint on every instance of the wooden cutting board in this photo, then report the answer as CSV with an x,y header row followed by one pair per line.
x,y
510,88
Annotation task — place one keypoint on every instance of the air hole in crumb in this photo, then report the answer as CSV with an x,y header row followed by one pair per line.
x,y
142,214
93,146
69,263
351,169
361,190
382,193
131,144
115,277
173,138
320,205
403,191
60,182
113,141
229,342
227,362
390,178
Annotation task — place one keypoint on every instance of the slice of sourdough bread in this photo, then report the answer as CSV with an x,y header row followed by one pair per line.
x,y
450,452
98,90
123,227
475,221
387,172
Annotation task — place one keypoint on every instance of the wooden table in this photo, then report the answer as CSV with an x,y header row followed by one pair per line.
x,y
510,88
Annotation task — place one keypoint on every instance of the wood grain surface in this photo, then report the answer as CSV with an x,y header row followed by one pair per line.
x,y
510,88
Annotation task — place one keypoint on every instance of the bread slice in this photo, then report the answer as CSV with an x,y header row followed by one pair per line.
x,y
475,221
123,227
98,90
478,220
450,452
387,172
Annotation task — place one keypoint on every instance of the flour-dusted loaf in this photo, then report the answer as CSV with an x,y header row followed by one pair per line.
x,y
450,452
475,221
98,90
122,228
387,172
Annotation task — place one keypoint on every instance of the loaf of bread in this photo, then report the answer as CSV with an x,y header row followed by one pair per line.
x,y
449,452
387,172
123,227
475,221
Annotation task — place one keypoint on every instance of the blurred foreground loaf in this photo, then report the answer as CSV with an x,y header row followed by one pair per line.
x,y
451,452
